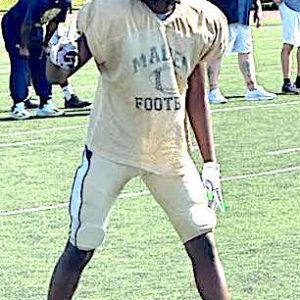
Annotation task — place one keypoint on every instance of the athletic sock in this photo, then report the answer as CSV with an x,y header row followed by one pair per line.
x,y
68,92
297,82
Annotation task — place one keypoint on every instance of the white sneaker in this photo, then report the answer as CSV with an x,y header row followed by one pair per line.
x,y
259,93
215,97
48,110
19,112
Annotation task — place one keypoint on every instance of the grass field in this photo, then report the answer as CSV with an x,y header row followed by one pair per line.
x,y
143,259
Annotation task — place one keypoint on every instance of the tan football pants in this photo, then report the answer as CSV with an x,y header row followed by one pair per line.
x,y
98,182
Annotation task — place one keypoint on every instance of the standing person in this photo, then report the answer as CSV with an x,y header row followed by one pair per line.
x,y
22,28
240,41
290,17
150,55
70,98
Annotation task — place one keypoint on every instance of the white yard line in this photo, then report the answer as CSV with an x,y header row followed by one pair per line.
x,y
63,128
144,193
17,144
267,173
63,205
284,151
240,108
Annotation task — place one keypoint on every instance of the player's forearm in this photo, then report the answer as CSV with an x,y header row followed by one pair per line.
x,y
84,54
199,114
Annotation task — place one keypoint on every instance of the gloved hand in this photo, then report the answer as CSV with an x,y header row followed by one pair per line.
x,y
64,54
212,181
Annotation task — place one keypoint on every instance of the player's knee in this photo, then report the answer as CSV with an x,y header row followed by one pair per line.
x,y
203,218
75,258
88,237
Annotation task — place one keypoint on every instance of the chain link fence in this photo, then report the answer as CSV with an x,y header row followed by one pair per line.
x,y
6,4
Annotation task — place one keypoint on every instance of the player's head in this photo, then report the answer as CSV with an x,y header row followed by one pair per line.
x,y
160,5
156,2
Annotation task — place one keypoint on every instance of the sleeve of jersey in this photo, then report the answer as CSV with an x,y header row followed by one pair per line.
x,y
90,24
217,47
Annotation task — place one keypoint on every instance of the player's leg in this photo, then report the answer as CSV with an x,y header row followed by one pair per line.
x,y
244,47
67,272
213,71
18,71
97,184
185,202
247,67
18,84
207,267
297,83
29,103
71,99
37,65
290,36
215,95
286,65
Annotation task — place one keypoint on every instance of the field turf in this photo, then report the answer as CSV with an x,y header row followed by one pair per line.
x,y
258,146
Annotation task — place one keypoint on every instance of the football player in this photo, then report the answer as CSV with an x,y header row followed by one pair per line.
x,y
150,55
23,33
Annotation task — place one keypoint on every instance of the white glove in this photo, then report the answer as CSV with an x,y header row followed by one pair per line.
x,y
64,54
212,181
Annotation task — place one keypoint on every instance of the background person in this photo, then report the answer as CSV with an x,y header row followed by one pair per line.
x,y
22,28
240,41
290,17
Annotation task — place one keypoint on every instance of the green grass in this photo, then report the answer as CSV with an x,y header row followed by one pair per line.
x,y
143,259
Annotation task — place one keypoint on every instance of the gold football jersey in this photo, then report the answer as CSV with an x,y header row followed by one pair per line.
x,y
139,108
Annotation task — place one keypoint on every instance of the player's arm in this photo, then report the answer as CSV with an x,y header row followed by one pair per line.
x,y
200,118
199,114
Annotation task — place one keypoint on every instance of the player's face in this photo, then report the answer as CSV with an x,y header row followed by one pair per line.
x,y
161,6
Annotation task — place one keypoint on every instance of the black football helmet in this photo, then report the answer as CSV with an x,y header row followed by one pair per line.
x,y
168,2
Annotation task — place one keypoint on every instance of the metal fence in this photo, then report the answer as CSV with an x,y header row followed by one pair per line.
x,y
6,4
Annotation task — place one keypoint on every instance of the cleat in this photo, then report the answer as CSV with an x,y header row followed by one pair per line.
x,y
258,94
48,110
215,97
289,88
75,102
18,112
